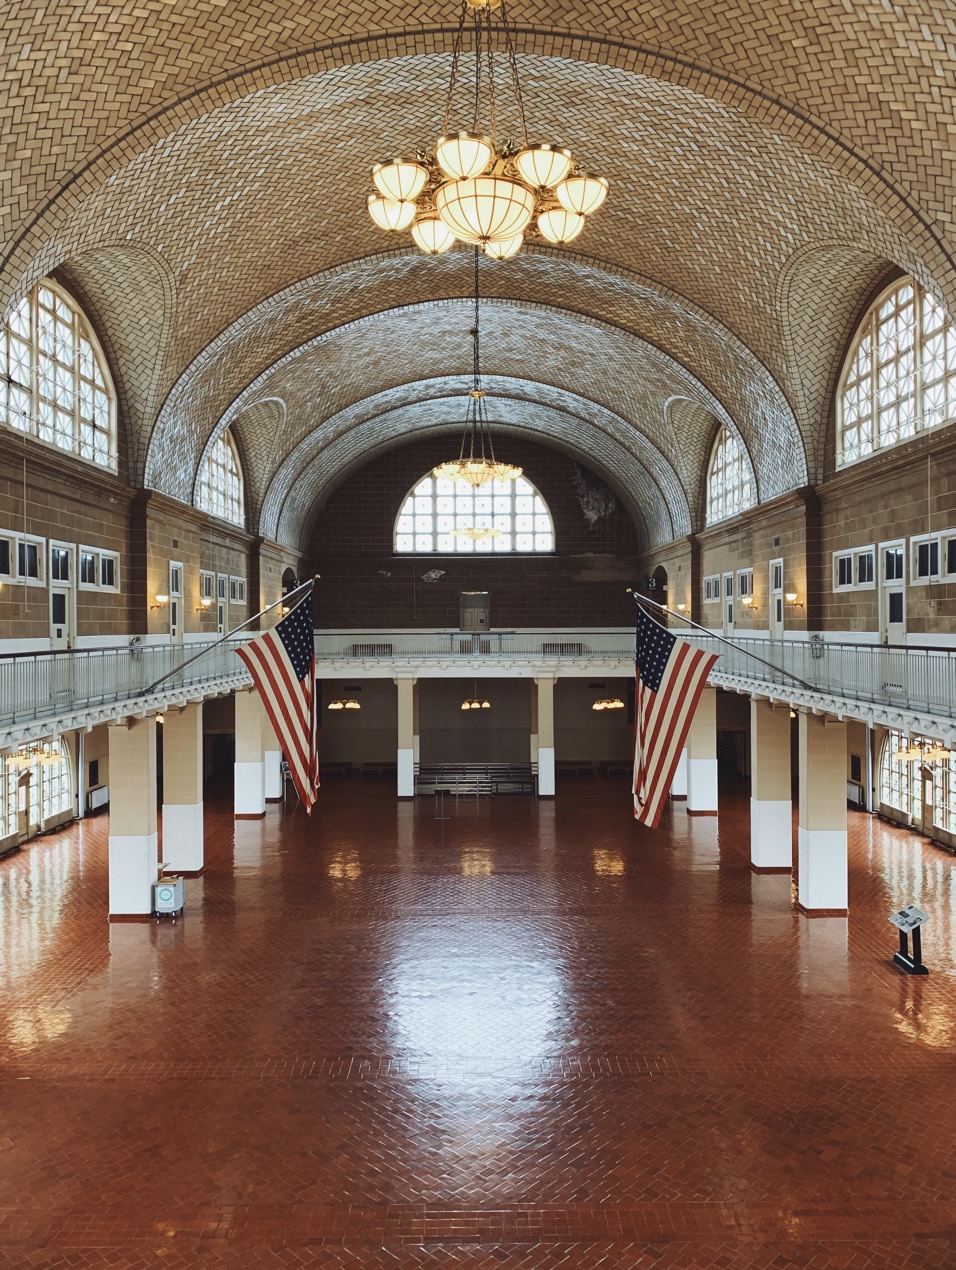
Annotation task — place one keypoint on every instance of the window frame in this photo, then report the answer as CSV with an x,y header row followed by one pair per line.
x,y
443,502
14,540
852,556
745,583
84,386
731,482
712,590
931,541
877,375
213,494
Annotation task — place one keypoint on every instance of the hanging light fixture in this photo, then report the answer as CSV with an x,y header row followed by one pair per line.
x,y
474,188
608,703
476,702
476,463
921,749
345,703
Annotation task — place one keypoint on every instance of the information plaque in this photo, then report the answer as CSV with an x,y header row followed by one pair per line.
x,y
909,918
908,922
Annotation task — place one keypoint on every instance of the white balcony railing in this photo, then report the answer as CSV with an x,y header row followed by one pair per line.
x,y
43,685
427,645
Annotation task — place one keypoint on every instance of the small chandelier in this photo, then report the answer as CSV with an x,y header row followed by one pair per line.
x,y
473,188
922,750
476,463
345,703
608,703
476,702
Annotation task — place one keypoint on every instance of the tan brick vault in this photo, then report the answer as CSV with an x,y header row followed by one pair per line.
x,y
196,174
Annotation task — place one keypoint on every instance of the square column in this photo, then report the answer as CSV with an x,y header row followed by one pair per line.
x,y
405,753
702,757
545,723
133,855
533,738
679,783
271,760
821,836
249,799
771,826
182,790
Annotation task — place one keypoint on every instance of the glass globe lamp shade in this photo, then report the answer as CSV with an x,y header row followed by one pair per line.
x,y
462,155
401,180
582,193
486,705
559,226
543,166
485,209
389,214
466,705
432,236
504,250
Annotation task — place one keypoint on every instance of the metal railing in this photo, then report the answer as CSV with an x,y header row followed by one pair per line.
x,y
530,644
41,685
915,679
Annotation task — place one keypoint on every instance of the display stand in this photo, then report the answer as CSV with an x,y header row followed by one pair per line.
x,y
908,921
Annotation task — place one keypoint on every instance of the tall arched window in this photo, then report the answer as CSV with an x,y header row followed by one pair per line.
x,y
900,375
220,482
901,781
37,786
730,484
439,515
54,383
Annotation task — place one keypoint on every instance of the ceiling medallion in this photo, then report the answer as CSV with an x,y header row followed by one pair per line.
x,y
476,463
470,186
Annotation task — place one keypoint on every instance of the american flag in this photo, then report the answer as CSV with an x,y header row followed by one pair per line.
x,y
282,665
671,675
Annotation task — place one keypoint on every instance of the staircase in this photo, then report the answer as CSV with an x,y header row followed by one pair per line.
x,y
476,778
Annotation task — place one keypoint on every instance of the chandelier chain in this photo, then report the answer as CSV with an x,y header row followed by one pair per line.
x,y
455,59
513,66
490,62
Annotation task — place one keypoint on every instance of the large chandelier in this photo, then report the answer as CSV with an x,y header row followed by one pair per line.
x,y
476,463
472,187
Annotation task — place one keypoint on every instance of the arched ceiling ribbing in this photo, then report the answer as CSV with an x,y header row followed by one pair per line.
x,y
201,181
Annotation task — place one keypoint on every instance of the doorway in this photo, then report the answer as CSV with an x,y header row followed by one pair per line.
x,y
62,606
893,592
728,601
775,591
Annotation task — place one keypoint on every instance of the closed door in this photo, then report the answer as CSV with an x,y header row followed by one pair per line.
x,y
62,610
175,601
775,592
222,602
893,592
728,604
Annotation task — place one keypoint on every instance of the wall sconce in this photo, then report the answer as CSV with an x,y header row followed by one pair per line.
x,y
204,606
161,602
682,608
792,601
749,604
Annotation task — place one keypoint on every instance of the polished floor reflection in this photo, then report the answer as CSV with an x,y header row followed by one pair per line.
x,y
526,1035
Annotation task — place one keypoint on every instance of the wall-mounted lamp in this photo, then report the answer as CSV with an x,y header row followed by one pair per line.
x,y
792,601
161,602
748,602
682,608
205,603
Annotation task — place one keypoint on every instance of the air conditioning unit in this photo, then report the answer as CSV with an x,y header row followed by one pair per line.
x,y
168,896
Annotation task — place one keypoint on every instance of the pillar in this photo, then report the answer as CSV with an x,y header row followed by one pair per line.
x,y
182,790
771,826
416,729
545,722
533,738
133,856
679,783
271,759
702,757
249,799
406,738
821,834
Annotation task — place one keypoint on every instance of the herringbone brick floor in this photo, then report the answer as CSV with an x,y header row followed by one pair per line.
x,y
531,1035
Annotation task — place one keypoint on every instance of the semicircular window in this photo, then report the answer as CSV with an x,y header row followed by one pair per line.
x,y
439,516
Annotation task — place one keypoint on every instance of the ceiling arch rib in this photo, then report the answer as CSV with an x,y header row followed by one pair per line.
x,y
283,327
297,502
511,401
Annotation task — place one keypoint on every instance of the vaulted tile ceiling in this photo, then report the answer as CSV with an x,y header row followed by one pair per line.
x,y
197,174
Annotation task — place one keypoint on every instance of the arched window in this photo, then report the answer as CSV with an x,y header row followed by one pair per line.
x,y
37,784
900,376
730,485
439,515
220,483
54,383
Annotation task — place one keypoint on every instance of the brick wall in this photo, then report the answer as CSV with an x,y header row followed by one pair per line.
x,y
364,584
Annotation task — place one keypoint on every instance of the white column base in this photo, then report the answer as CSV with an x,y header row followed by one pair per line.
x,y
133,865
545,771
822,870
702,785
406,773
771,833
272,775
250,798
182,837
679,783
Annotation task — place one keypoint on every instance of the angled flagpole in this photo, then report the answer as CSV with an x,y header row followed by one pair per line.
x,y
298,592
661,608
